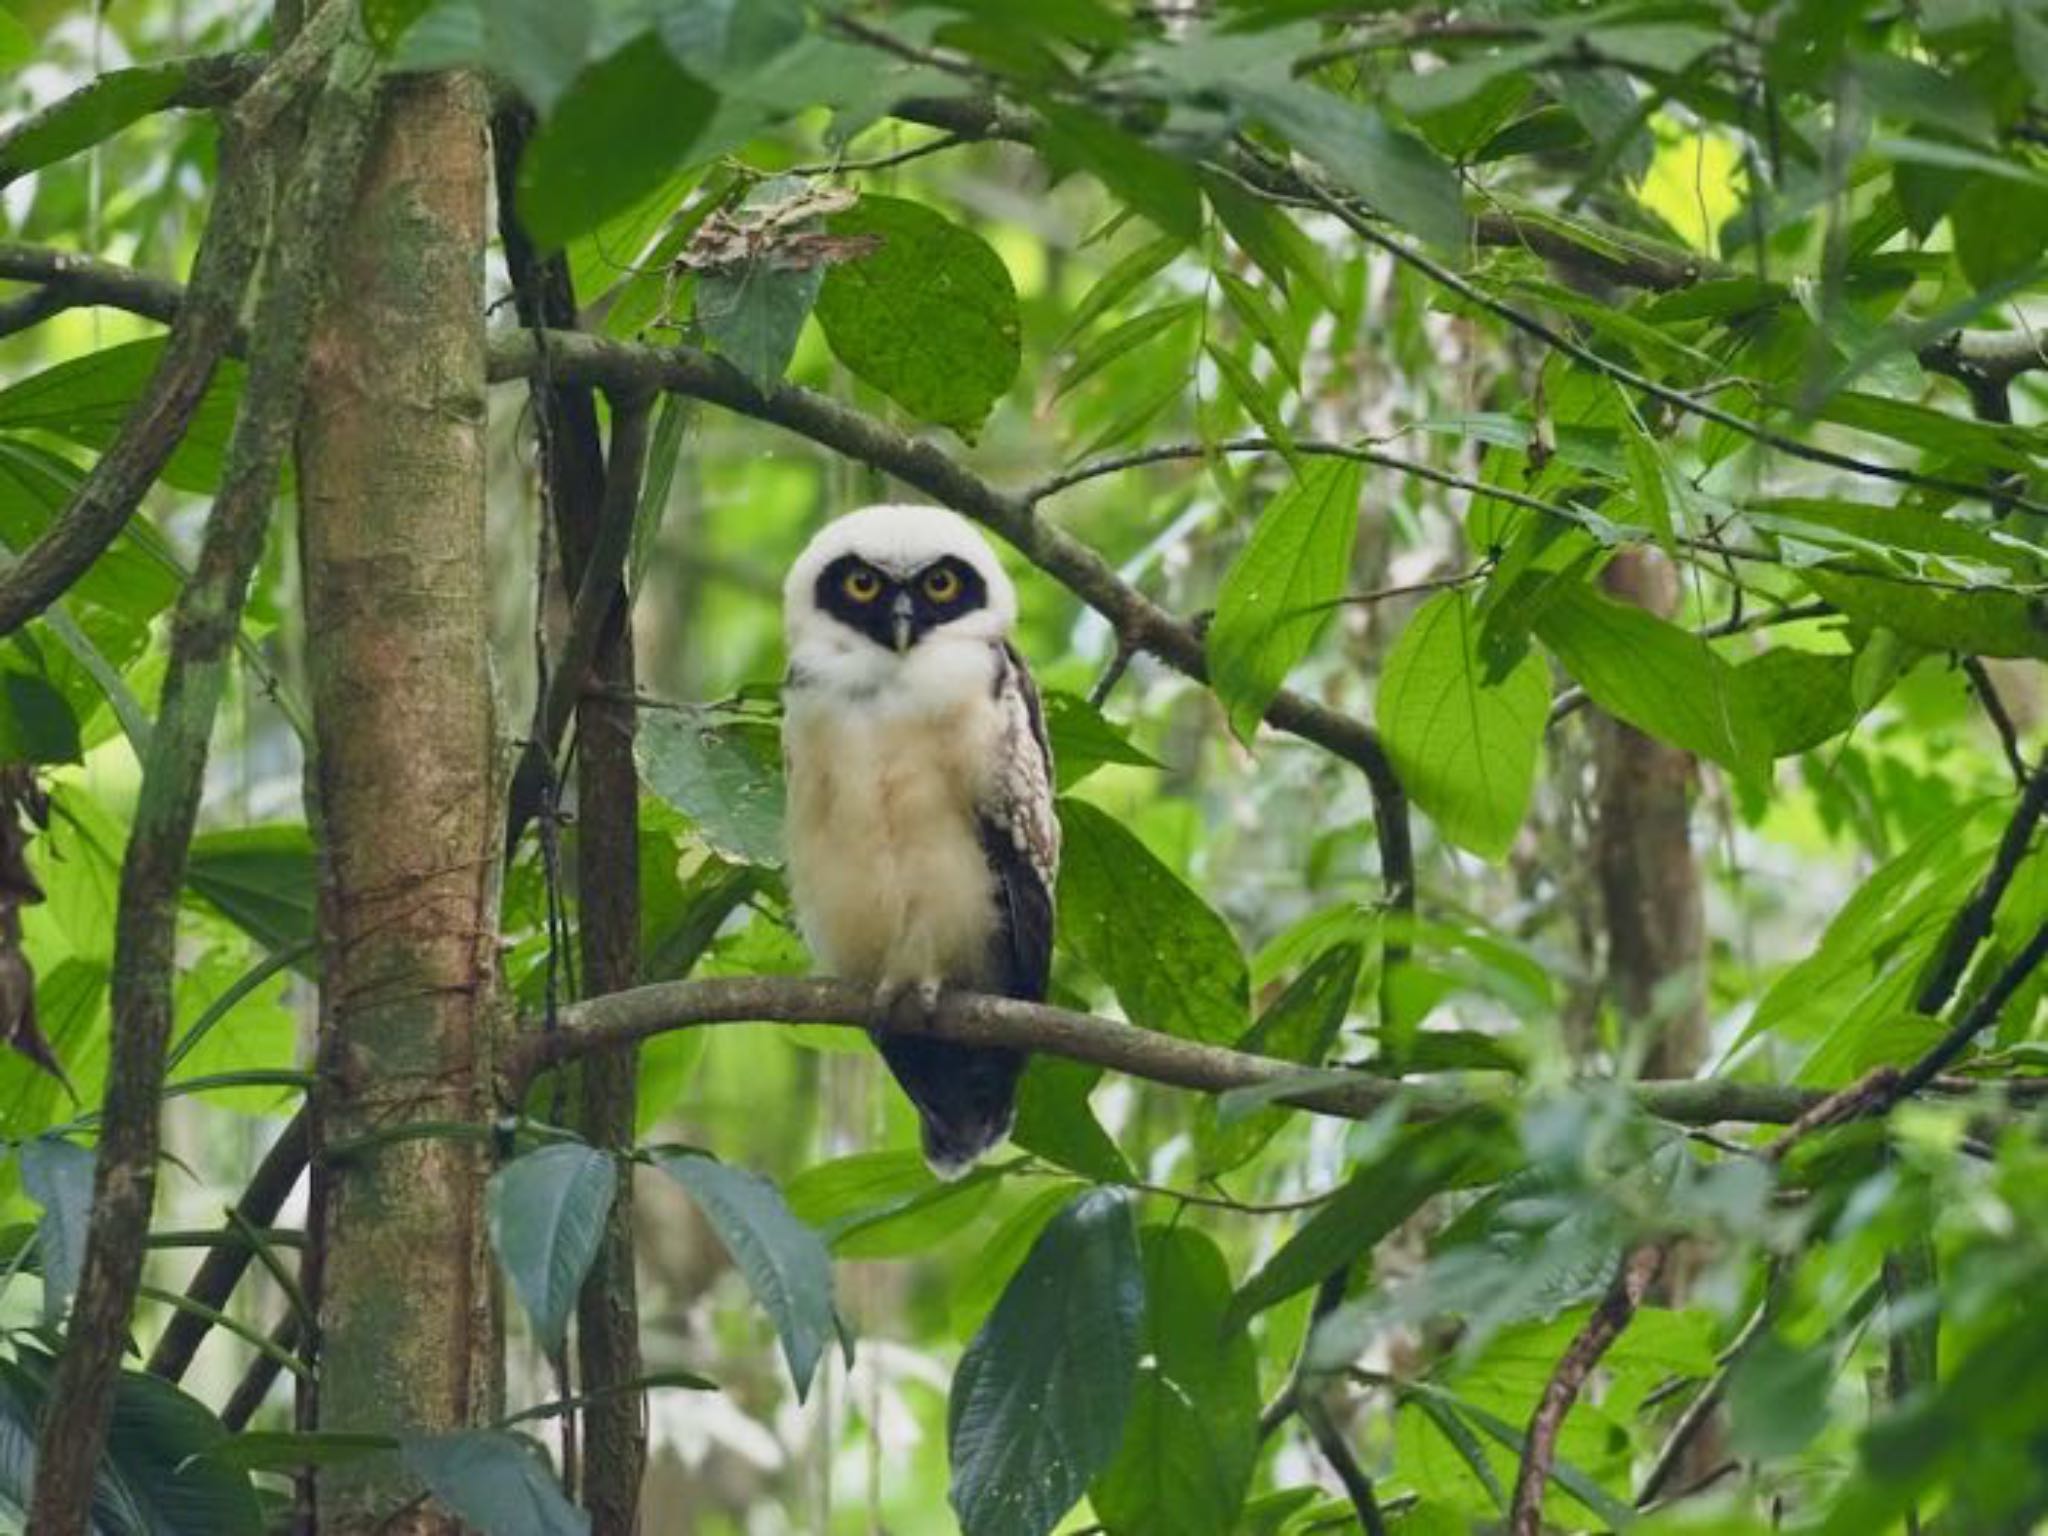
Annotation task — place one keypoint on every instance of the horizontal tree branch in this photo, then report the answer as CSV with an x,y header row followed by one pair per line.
x,y
976,1019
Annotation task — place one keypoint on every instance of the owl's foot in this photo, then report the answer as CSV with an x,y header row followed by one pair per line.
x,y
906,1006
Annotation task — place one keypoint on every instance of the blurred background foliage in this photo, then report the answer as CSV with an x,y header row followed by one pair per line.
x,y
1782,212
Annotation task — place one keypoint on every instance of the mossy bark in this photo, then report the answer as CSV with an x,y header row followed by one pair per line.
x,y
392,492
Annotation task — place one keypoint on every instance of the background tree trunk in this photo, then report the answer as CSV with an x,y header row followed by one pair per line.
x,y
392,490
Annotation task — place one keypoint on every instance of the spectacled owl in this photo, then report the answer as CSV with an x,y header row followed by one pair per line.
x,y
921,835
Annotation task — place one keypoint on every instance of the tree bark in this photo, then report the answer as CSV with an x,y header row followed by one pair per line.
x,y
406,777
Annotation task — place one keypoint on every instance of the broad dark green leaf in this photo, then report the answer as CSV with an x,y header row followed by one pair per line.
x,y
930,318
1801,697
622,127
1463,746
262,879
886,1205
1055,1120
113,101
1422,1161
715,774
1040,1398
1778,1397
127,581
718,39
535,45
1173,962
58,1176
1989,622
547,1212
86,399
783,1260
159,1470
754,316
1300,1026
1395,172
497,1482
1155,184
1661,680
1278,593
36,724
1193,1433
2000,229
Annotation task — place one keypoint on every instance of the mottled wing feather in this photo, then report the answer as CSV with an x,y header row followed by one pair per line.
x,y
1020,833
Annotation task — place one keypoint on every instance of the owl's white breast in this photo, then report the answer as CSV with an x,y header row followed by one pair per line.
x,y
887,758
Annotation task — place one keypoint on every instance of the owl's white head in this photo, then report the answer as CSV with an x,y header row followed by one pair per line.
x,y
889,585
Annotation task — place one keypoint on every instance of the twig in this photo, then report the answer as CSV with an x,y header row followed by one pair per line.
x,y
1315,1414
263,1371
222,1269
1671,1455
1973,922
976,1019
207,618
2000,718
880,162
1614,1312
1980,1017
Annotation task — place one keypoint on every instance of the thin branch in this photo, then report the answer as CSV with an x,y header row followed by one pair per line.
x,y
1615,1311
86,281
1973,922
1980,1017
880,162
203,629
603,1023
222,1269
2000,718
1315,1413
1698,1413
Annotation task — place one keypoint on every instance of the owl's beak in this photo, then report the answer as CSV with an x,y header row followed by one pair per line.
x,y
900,618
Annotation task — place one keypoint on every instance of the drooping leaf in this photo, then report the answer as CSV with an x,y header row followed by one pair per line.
x,y
58,1176
1173,962
1802,697
601,149
753,316
716,775
720,39
886,1205
1989,622
537,46
1154,183
1277,594
1055,1121
547,1211
85,400
36,724
784,1261
261,878
159,1469
1125,277
1040,1397
497,1482
87,117
1661,680
1463,746
1193,1434
930,318
1084,739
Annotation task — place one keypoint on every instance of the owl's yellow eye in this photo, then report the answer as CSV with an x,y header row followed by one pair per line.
x,y
942,584
862,586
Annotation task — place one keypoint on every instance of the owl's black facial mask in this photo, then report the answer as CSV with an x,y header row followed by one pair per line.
x,y
896,612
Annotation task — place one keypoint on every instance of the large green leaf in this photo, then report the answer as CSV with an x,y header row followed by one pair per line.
x,y
110,103
784,1261
715,774
1041,1395
535,45
58,1176
497,1482
547,1213
1173,962
36,722
1158,186
716,39
85,400
261,878
619,131
1378,1197
127,580
1661,680
1193,1434
1279,592
1083,739
929,318
1056,1121
1802,698
158,1469
1464,747
886,1205
1988,622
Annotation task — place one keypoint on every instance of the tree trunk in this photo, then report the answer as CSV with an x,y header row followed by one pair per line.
x,y
405,778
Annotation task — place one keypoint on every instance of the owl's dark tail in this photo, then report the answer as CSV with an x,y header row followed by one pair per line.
x,y
965,1095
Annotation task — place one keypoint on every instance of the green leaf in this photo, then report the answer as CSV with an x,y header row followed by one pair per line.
x,y
1463,747
58,1176
1040,1398
1123,278
536,45
1055,1120
87,399
754,315
1193,1434
1154,184
159,1471
716,775
1300,1026
497,1482
1801,698
1084,739
547,1212
110,103
1422,1161
886,1205
1278,592
262,879
1252,395
128,580
1003,1251
1661,680
621,128
1394,171
784,1261
1976,623
930,318
2000,229
1173,963
1778,1398
288,1450
36,724
720,39
1264,322
1121,339
17,43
